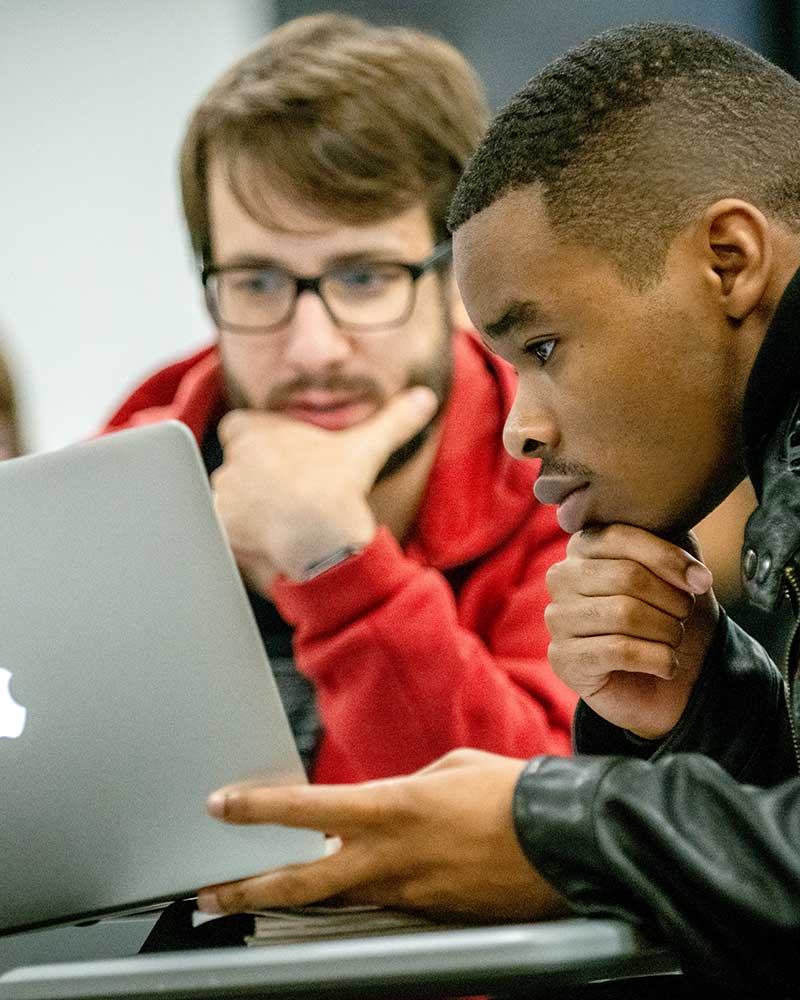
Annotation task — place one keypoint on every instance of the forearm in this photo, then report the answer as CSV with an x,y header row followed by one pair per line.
x,y
679,846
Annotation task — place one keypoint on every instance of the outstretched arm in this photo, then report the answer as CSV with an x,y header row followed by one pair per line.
x,y
440,841
677,845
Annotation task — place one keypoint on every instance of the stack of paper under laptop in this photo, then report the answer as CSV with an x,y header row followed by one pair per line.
x,y
308,923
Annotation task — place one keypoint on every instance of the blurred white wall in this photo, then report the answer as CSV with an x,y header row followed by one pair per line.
x,y
96,283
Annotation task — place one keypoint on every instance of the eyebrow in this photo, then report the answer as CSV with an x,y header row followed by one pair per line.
x,y
518,314
366,256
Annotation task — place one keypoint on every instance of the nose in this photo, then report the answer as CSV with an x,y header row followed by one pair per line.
x,y
530,429
314,342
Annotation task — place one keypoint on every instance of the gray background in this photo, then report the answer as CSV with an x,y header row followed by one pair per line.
x,y
509,40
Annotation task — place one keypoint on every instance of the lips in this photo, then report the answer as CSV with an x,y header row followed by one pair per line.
x,y
330,412
555,489
571,494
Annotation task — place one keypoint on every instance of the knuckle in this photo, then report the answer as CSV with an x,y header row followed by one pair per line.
x,y
666,661
564,665
290,885
592,541
250,809
616,532
623,650
396,806
234,897
637,577
625,611
628,576
459,756
553,576
686,605
585,659
676,633
414,894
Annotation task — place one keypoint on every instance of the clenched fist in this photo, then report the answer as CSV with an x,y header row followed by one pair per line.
x,y
290,494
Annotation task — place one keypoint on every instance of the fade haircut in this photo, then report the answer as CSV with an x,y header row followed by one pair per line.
x,y
357,122
635,132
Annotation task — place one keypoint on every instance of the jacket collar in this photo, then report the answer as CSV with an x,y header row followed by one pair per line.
x,y
771,425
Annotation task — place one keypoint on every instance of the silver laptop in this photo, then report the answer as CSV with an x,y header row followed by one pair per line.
x,y
133,681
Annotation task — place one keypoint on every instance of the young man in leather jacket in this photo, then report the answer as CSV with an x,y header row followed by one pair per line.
x,y
628,237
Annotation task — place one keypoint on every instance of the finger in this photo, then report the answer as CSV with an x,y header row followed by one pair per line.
x,y
617,615
610,577
689,541
586,662
336,809
234,423
623,541
292,885
403,416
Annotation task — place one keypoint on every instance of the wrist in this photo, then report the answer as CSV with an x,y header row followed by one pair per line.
x,y
312,557
319,566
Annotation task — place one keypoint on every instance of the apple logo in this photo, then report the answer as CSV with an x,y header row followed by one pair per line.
x,y
12,715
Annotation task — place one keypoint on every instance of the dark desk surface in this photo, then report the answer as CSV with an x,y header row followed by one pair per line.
x,y
534,959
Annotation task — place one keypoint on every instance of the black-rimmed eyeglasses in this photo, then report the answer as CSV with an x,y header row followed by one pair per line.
x,y
363,296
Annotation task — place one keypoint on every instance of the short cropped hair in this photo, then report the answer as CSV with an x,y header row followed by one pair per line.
x,y
356,121
635,132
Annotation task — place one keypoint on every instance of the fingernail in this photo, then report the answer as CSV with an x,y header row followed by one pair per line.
x,y
207,902
215,804
699,578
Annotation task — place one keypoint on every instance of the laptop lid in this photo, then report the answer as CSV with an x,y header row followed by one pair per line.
x,y
133,681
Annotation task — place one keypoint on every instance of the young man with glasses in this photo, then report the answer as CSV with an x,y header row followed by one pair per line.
x,y
395,555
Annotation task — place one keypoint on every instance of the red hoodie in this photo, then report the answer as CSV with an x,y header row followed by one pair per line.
x,y
418,650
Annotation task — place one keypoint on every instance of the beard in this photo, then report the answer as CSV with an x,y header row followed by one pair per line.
x,y
441,381
436,373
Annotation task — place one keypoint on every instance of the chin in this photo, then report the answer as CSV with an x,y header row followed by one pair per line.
x,y
663,525
674,528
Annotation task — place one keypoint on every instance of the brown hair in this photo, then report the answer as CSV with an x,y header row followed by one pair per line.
x,y
358,121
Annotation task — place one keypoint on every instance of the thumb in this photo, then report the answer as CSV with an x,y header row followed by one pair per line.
x,y
403,416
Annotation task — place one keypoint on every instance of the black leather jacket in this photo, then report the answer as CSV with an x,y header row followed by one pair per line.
x,y
697,836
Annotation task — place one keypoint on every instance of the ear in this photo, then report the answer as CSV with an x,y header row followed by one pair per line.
x,y
737,244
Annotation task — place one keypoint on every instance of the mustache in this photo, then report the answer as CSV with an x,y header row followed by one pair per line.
x,y
342,385
554,467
